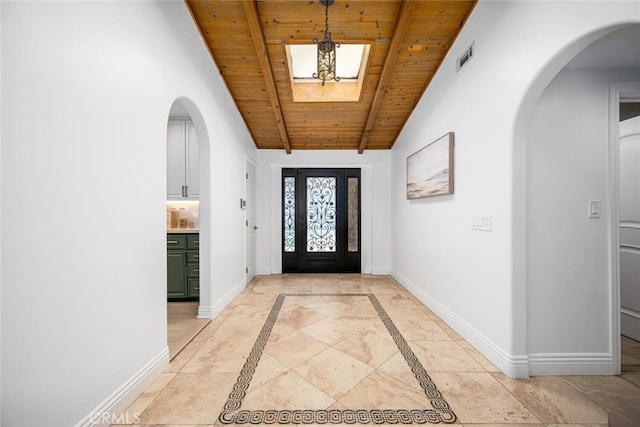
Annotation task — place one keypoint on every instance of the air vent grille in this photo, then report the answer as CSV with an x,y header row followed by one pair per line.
x,y
465,57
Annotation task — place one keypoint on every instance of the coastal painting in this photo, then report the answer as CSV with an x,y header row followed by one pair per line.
x,y
430,170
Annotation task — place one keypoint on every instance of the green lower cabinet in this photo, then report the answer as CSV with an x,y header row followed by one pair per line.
x,y
183,267
176,273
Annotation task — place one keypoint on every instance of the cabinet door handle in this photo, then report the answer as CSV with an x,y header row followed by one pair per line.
x,y
172,242
196,270
196,256
186,191
196,288
196,242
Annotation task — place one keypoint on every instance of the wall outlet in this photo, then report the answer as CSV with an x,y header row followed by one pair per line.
x,y
481,223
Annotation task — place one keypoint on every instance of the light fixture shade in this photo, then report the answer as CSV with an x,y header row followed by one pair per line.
x,y
327,59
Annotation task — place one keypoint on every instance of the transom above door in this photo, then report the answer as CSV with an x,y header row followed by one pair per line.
x,y
321,220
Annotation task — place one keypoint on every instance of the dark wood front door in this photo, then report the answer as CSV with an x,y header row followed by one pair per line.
x,y
321,220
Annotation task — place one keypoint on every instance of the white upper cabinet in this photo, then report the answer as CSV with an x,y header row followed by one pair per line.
x,y
183,177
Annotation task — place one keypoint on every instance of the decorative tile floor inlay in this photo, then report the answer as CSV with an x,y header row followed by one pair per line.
x,y
440,412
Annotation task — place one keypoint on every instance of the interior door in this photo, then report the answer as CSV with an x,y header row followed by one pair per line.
x,y
250,221
321,220
630,228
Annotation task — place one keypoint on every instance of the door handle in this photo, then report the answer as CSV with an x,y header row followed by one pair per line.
x,y
255,227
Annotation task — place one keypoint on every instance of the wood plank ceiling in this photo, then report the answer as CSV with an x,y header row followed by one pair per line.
x,y
247,40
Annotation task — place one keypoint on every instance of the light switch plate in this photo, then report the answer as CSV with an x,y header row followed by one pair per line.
x,y
595,207
481,223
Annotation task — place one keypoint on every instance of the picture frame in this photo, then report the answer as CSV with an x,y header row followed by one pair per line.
x,y
430,169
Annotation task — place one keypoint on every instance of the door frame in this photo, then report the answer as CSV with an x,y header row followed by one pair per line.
x,y
618,91
366,216
341,259
250,204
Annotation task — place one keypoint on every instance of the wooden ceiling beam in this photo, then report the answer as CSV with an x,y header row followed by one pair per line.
x,y
399,31
255,26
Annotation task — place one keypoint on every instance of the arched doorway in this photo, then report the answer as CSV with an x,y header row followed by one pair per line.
x,y
188,207
565,253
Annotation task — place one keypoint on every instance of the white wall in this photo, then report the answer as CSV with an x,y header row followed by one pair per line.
x,y
86,93
568,252
476,280
375,191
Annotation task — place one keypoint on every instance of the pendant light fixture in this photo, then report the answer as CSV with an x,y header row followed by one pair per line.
x,y
326,50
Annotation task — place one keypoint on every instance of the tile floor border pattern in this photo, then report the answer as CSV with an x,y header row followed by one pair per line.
x,y
232,414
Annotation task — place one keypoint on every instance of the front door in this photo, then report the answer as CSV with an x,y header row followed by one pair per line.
x,y
321,220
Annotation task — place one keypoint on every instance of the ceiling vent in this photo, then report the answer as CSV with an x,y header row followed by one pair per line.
x,y
465,57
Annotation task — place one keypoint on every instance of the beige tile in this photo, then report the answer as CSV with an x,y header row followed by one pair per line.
x,y
190,398
327,306
219,356
325,287
268,368
397,367
362,309
144,400
175,425
504,425
368,347
444,356
425,329
181,359
378,328
553,401
577,425
294,348
478,357
299,316
333,372
191,393
633,377
453,334
287,391
238,330
605,391
380,390
211,327
353,287
330,331
295,288
477,397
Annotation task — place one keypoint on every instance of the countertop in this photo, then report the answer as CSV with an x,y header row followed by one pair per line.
x,y
183,230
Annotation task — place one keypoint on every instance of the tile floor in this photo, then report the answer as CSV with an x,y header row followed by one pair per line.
x,y
182,325
327,352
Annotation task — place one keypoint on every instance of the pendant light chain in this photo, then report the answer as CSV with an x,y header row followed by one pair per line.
x,y
326,19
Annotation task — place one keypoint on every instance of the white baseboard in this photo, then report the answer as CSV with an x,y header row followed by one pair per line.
x,y
571,364
212,311
515,366
381,270
263,270
367,269
110,410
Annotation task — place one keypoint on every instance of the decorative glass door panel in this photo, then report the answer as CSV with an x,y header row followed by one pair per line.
x,y
320,220
321,214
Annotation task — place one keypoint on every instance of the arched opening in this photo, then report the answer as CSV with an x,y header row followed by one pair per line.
x,y
566,227
188,227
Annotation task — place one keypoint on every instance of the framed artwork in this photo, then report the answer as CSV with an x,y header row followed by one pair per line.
x,y
430,170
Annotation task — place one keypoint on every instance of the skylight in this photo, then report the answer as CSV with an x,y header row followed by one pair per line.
x,y
348,60
351,63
